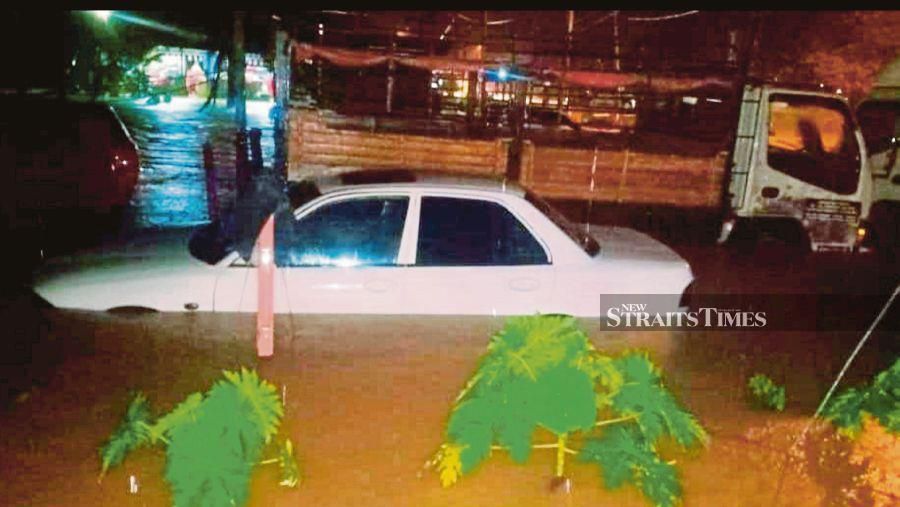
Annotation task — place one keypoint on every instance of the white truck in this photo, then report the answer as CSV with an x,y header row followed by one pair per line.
x,y
798,171
879,117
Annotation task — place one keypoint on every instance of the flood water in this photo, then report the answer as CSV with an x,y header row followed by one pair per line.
x,y
367,397
366,403
171,190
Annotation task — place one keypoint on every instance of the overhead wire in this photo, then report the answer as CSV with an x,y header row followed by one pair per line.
x,y
663,18
831,390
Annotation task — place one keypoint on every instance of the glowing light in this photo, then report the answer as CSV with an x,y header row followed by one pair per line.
x,y
149,23
266,256
839,91
103,15
344,261
321,29
502,74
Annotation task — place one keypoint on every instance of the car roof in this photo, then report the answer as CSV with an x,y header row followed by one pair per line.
x,y
405,178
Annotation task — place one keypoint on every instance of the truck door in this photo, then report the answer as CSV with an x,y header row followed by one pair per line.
x,y
808,169
880,123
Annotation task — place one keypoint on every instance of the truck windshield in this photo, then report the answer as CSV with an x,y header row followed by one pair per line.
x,y
812,138
583,239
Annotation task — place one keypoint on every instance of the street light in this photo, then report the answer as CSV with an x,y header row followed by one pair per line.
x,y
103,15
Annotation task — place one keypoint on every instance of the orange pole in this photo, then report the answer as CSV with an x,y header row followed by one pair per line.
x,y
265,314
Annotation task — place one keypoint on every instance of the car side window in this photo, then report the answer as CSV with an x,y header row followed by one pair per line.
x,y
354,232
472,232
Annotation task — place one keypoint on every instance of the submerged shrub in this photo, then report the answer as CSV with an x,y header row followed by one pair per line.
x,y
766,393
543,372
213,440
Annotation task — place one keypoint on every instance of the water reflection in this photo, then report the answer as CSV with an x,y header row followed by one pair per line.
x,y
171,191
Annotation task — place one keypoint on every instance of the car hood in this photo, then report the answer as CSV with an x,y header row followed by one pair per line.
x,y
622,243
149,250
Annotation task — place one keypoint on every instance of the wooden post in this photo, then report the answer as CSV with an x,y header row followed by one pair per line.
x,y
212,190
265,311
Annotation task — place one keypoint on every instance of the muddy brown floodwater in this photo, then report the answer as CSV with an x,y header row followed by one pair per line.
x,y
366,403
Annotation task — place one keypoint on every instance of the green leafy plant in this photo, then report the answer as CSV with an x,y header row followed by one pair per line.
x,y
766,393
542,372
880,400
212,441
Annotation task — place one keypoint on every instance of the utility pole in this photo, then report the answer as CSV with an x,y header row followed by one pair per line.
x,y
569,29
239,65
617,61
282,99
390,76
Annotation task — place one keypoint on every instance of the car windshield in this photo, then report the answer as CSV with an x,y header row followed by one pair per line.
x,y
583,239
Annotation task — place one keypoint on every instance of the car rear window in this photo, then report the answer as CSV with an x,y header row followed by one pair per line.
x,y
582,238
473,232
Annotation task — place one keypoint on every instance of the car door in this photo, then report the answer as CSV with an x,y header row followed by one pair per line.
x,y
341,255
474,256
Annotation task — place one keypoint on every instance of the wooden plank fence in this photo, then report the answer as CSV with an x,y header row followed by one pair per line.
x,y
317,148
320,145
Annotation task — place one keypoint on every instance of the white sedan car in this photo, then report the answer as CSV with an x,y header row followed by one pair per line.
x,y
453,246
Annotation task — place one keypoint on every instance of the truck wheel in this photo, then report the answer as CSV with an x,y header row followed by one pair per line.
x,y
743,240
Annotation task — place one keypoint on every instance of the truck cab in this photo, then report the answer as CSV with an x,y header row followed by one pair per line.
x,y
799,170
879,117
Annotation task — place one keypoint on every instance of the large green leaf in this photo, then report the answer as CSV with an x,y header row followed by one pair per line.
x,y
470,427
659,482
260,397
543,371
527,346
624,455
563,400
131,434
186,412
213,441
881,399
530,376
210,458
643,396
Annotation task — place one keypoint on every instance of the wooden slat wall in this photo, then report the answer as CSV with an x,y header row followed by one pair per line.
x,y
563,173
316,148
647,178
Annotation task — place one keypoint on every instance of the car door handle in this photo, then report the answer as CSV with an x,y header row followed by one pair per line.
x,y
191,306
770,192
378,286
524,284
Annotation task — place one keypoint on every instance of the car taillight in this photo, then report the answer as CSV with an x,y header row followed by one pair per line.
x,y
122,160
